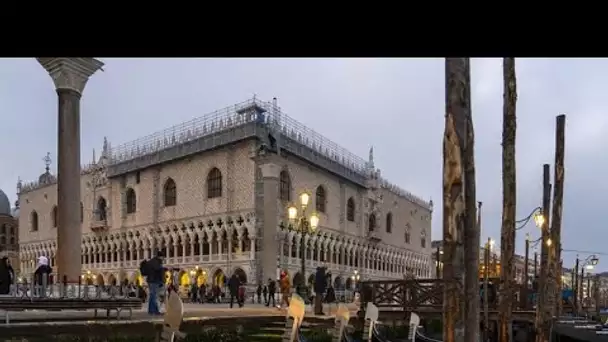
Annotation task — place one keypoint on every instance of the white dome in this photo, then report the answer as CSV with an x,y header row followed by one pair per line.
x,y
5,205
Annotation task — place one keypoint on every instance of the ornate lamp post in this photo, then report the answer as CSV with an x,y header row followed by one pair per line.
x,y
305,225
590,262
355,278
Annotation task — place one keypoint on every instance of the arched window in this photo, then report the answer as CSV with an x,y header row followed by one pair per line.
x,y
34,221
170,192
54,216
320,199
3,230
372,222
408,230
389,222
350,209
131,201
81,213
285,186
102,208
214,183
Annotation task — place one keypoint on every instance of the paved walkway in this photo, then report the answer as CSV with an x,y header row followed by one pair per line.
x,y
191,311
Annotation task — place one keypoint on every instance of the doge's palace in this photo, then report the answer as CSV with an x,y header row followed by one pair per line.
x,y
212,194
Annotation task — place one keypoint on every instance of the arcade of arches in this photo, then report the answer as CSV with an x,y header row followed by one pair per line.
x,y
205,249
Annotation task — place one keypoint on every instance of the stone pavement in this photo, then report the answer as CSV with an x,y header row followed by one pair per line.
x,y
191,311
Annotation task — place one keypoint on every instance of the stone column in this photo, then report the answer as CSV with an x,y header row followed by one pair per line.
x,y
270,175
70,76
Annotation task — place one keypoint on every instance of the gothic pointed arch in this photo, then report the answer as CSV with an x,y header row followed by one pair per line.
x,y
285,186
350,209
54,216
34,220
320,199
372,222
214,183
170,193
101,209
131,201
389,222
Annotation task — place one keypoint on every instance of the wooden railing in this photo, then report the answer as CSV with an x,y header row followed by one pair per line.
x,y
421,294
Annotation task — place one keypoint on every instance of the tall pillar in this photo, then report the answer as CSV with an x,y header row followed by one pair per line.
x,y
70,76
270,175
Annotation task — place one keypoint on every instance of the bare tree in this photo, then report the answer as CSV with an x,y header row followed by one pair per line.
x,y
460,229
509,194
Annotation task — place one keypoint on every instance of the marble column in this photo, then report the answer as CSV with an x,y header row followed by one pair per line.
x,y
70,76
270,176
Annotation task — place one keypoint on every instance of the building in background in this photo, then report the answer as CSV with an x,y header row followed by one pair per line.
x,y
494,266
9,231
212,194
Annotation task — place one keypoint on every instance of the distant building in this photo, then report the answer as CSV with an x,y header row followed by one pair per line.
x,y
9,231
494,263
212,194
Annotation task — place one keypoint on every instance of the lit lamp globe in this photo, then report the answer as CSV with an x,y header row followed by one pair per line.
x,y
304,199
314,221
292,212
539,219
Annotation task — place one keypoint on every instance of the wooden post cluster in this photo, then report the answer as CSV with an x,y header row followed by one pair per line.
x,y
509,195
461,255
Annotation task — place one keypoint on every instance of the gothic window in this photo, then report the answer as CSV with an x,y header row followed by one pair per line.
x,y
320,199
170,192
34,221
285,186
102,208
131,201
372,222
350,209
214,183
3,230
408,231
389,222
423,239
81,212
54,216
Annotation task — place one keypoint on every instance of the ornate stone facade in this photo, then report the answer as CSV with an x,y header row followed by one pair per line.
x,y
198,193
9,231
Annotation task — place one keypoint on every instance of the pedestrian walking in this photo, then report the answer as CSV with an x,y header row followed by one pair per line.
x,y
259,293
285,285
272,289
233,287
154,272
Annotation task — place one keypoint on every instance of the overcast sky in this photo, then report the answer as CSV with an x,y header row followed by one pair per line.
x,y
396,105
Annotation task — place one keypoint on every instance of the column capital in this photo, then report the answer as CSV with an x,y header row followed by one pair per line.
x,y
270,170
70,73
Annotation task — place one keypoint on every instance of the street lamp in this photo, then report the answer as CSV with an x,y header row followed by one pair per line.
x,y
305,225
355,277
589,263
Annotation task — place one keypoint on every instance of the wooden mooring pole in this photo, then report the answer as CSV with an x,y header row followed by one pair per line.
x,y
457,123
509,195
558,200
544,308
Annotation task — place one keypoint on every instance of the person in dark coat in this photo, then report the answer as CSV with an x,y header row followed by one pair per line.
x,y
233,284
259,293
272,289
5,277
